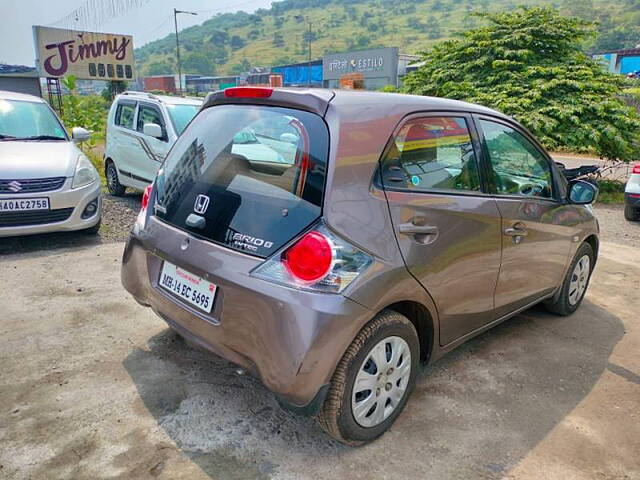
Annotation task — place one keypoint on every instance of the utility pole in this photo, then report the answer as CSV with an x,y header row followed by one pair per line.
x,y
175,22
306,19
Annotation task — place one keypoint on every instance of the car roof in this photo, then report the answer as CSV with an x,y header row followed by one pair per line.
x,y
167,99
6,95
380,104
409,103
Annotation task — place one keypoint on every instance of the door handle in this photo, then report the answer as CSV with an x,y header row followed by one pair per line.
x,y
413,229
422,234
517,232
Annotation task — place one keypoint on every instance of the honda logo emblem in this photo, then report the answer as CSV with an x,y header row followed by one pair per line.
x,y
15,186
201,205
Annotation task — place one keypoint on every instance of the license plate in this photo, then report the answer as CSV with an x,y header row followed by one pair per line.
x,y
23,204
188,286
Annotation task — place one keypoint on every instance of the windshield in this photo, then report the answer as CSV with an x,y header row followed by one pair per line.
x,y
247,177
181,115
20,120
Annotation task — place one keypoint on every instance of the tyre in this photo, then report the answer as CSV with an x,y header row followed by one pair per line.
x,y
113,183
631,213
93,230
575,282
372,381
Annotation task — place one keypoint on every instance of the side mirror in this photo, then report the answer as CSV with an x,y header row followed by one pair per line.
x,y
582,193
152,130
79,134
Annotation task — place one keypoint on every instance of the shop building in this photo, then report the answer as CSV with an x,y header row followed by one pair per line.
x,y
370,69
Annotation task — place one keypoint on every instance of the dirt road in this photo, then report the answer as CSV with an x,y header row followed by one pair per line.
x,y
94,386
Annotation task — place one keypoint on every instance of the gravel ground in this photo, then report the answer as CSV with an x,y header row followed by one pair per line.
x,y
614,228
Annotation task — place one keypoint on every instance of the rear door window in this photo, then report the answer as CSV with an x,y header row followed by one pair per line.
x,y
247,177
432,153
124,115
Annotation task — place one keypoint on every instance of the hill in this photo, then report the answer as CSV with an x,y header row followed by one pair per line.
x,y
232,42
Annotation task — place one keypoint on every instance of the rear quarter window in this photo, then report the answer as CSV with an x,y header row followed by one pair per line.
x,y
247,177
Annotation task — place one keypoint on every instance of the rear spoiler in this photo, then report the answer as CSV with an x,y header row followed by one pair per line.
x,y
311,100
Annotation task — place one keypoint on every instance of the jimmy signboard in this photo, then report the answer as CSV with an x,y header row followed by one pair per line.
x,y
87,55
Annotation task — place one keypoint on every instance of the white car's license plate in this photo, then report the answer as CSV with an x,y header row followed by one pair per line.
x,y
191,288
23,204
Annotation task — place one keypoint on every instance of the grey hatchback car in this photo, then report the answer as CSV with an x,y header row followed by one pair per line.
x,y
333,242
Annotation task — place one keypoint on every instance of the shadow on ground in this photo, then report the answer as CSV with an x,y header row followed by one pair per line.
x,y
474,414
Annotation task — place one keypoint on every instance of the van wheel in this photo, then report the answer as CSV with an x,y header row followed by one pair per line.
x,y
373,380
575,283
631,213
113,183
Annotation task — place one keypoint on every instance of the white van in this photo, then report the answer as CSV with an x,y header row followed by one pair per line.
x,y
141,128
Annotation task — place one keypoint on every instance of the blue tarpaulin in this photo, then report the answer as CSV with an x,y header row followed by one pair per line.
x,y
299,74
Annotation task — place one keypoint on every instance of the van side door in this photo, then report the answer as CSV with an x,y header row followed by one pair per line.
x,y
447,227
152,150
124,139
537,225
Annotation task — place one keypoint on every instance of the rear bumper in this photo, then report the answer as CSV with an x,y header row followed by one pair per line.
x,y
632,199
291,340
63,200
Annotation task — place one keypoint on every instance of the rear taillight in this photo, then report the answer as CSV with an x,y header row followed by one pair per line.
x,y
319,261
141,220
145,197
248,92
310,258
636,168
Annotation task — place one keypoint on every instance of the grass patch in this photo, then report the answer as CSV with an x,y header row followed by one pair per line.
x,y
610,192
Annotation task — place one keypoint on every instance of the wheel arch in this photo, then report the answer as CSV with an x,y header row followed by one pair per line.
x,y
593,241
422,320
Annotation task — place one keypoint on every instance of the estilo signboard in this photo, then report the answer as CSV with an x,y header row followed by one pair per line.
x,y
87,55
374,63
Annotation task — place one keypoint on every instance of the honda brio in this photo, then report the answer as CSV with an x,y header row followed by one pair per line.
x,y
391,229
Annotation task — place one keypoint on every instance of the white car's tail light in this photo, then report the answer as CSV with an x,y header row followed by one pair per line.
x,y
318,261
636,168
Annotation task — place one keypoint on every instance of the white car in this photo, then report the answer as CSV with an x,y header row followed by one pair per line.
x,y
632,195
46,183
141,128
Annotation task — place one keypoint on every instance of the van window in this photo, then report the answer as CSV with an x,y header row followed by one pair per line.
x,y
432,153
261,169
124,115
148,114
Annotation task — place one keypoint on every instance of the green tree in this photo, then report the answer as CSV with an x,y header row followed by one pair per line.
x,y
159,67
529,64
198,62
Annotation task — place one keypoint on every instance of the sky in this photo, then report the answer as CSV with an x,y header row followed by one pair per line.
x,y
151,21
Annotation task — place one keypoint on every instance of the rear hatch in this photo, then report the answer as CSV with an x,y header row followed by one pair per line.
x,y
247,177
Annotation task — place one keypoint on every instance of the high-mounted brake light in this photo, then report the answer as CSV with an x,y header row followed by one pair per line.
x,y
319,261
248,92
310,258
636,168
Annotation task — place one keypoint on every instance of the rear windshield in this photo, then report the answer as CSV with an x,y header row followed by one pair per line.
x,y
247,177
